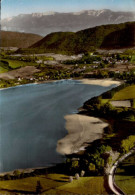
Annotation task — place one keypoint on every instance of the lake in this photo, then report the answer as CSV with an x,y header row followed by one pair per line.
x,y
32,121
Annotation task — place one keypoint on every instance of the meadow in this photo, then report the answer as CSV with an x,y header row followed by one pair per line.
x,y
126,183
54,184
125,94
125,178
4,67
133,58
14,64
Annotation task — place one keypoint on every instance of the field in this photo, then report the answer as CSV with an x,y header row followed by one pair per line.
x,y
54,184
128,93
125,94
104,101
125,177
45,58
126,183
86,185
133,58
4,67
17,64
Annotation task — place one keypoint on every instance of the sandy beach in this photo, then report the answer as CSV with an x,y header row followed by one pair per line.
x,y
101,82
81,131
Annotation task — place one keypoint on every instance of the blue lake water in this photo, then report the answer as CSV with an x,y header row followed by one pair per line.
x,y
32,121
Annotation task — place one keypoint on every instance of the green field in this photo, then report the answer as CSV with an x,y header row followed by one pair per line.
x,y
125,94
126,183
86,185
104,101
17,64
55,184
125,175
4,67
2,70
133,58
133,104
29,184
45,58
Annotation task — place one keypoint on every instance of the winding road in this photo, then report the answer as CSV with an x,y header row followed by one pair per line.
x,y
114,188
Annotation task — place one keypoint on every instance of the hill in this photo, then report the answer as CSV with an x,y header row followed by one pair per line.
x,y
121,38
48,22
105,36
16,39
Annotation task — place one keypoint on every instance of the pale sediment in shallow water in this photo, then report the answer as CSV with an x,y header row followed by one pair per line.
x,y
81,131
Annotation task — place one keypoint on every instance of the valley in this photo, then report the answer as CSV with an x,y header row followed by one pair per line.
x,y
95,66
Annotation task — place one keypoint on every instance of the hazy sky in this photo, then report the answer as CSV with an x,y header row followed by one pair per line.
x,y
14,7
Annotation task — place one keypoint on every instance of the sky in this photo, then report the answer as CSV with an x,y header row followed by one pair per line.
x,y
11,8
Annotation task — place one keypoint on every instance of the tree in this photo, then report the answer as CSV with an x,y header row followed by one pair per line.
x,y
92,167
39,187
7,177
118,57
16,174
128,143
75,164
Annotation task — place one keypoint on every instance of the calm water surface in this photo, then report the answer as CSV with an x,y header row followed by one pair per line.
x,y
32,121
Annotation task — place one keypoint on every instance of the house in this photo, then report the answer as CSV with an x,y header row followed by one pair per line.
x,y
39,61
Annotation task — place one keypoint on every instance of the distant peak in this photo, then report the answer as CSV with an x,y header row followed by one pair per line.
x,y
43,14
8,19
91,12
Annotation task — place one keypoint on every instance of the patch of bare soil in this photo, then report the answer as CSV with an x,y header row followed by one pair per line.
x,y
24,72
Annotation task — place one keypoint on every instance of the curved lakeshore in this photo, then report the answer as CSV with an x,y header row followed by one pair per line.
x,y
35,113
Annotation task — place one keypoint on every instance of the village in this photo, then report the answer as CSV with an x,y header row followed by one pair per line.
x,y
22,69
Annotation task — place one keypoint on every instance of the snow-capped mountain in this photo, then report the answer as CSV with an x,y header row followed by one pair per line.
x,y
47,22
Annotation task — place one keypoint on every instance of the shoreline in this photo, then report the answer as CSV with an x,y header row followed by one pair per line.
x,y
92,81
99,123
27,170
28,84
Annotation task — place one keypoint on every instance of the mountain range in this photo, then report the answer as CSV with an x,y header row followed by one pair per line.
x,y
48,22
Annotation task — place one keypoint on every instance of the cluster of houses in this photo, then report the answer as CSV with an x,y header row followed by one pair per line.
x,y
113,64
33,79
21,78
58,59
47,62
111,60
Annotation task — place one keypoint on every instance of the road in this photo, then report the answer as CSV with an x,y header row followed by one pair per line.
x,y
115,189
